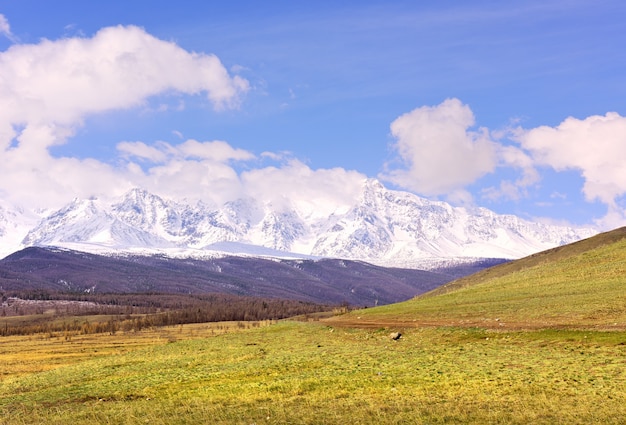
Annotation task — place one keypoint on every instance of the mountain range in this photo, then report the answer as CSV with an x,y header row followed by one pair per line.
x,y
383,227
324,281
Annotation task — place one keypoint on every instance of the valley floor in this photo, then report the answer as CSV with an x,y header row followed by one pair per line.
x,y
312,373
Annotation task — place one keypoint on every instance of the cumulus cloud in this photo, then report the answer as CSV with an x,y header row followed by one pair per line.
x,y
119,67
594,146
210,181
192,169
439,151
36,179
48,89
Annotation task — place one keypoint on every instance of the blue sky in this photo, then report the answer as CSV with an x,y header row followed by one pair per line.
x,y
513,106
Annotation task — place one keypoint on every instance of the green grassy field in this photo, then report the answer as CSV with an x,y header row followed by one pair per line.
x,y
295,372
541,342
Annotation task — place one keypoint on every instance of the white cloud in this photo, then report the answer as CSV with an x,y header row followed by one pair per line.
x,y
203,171
142,151
319,191
5,28
192,169
271,155
48,89
218,151
595,146
506,190
513,157
441,155
35,179
209,181
439,152
207,171
119,67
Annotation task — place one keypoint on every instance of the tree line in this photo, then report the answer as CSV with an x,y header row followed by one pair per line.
x,y
43,311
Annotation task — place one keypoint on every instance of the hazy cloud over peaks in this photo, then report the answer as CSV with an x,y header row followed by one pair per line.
x,y
206,171
438,151
320,191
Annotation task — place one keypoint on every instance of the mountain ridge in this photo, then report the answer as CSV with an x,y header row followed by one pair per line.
x,y
326,281
385,227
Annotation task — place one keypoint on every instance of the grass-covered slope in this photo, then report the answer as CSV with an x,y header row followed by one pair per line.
x,y
581,285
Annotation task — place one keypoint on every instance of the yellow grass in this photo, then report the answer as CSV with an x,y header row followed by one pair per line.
x,y
309,373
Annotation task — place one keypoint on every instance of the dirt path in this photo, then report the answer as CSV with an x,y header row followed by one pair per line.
x,y
349,321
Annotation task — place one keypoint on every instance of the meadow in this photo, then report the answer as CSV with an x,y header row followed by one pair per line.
x,y
312,373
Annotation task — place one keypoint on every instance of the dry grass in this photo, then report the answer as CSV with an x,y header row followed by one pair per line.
x,y
310,373
24,355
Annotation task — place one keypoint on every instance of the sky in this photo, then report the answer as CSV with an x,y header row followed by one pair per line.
x,y
518,107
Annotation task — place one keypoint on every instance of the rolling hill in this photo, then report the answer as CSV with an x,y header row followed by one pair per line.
x,y
580,285
326,281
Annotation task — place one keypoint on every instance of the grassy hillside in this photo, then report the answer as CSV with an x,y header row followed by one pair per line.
x,y
582,285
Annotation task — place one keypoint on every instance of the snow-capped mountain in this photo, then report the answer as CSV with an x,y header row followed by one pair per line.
x,y
14,224
383,226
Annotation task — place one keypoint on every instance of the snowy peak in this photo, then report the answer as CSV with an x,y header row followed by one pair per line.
x,y
90,222
14,225
382,226
394,227
279,230
143,210
80,220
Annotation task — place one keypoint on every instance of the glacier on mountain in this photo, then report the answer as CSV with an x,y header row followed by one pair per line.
x,y
385,227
